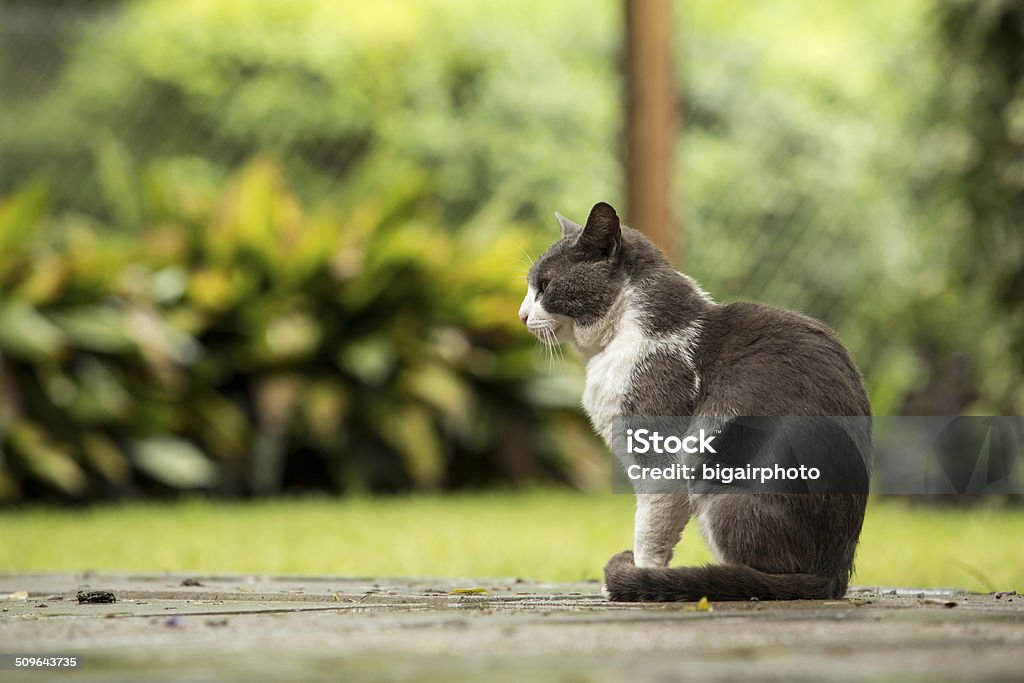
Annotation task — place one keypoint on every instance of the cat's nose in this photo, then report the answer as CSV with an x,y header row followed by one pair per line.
x,y
524,317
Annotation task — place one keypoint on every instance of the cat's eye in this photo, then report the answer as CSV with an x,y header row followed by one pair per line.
x,y
541,286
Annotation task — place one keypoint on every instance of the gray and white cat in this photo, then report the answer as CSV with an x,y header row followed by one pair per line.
x,y
655,344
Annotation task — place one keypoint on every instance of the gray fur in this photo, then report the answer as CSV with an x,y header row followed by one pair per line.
x,y
713,360
656,386
576,277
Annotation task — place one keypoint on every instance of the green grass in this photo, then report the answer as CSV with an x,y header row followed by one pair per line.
x,y
556,535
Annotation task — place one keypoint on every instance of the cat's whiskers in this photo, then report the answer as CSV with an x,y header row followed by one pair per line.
x,y
557,348
541,341
526,262
527,255
549,338
552,347
544,338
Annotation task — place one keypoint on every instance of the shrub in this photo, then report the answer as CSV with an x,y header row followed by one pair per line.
x,y
245,343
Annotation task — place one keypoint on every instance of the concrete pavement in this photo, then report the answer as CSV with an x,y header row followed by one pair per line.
x,y
333,628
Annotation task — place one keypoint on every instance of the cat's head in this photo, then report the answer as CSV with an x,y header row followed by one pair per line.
x,y
575,283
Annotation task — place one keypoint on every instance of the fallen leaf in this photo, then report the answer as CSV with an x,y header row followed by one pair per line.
x,y
469,591
703,605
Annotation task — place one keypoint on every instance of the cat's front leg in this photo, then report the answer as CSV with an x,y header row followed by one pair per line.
x,y
660,518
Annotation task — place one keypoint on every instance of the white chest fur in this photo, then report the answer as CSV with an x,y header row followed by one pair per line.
x,y
609,375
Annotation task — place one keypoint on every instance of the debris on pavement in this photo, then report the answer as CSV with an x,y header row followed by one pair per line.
x,y
95,597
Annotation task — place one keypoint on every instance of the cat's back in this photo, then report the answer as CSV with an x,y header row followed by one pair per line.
x,y
760,360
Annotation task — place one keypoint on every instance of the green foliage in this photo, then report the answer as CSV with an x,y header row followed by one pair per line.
x,y
862,163
970,330
795,165
855,161
241,342
487,97
794,162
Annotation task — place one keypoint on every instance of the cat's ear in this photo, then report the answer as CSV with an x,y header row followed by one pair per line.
x,y
569,229
602,233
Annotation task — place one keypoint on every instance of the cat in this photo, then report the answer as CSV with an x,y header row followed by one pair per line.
x,y
655,344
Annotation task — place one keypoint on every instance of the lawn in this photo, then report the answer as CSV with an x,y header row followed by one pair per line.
x,y
556,535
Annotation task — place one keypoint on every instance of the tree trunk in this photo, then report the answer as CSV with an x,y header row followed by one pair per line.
x,y
650,121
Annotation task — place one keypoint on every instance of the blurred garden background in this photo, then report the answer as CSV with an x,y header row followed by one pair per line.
x,y
254,248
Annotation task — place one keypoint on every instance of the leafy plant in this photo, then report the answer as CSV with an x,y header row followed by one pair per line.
x,y
242,342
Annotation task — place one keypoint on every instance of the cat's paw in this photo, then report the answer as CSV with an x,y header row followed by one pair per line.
x,y
620,578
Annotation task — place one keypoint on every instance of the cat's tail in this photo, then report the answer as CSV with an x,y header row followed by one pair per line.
x,y
625,582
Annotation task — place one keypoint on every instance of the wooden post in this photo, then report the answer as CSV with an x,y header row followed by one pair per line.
x,y
650,121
